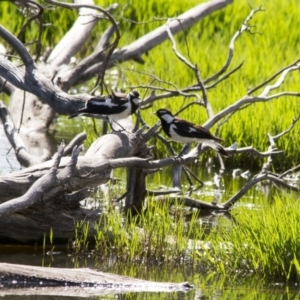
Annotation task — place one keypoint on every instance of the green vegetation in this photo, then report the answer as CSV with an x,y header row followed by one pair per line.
x,y
154,236
263,241
207,45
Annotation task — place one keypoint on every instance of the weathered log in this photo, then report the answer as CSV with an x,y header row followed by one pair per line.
x,y
92,169
30,280
44,191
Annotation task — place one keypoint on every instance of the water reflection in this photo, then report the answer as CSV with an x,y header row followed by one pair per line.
x,y
8,161
207,285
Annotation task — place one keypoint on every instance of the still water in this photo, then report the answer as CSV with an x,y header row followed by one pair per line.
x,y
207,285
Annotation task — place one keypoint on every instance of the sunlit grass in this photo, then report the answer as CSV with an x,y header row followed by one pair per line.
x,y
264,241
154,236
271,48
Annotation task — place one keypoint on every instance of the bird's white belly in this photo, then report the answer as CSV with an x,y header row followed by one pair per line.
x,y
122,115
178,138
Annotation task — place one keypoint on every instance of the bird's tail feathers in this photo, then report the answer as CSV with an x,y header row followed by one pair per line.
x,y
219,148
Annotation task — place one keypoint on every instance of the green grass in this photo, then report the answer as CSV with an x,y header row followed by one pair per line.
x,y
263,241
263,54
155,236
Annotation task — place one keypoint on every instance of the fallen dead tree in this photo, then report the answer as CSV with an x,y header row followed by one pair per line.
x,y
46,194
50,192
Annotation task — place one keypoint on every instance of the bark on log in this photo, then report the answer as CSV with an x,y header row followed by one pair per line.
x,y
27,219
32,280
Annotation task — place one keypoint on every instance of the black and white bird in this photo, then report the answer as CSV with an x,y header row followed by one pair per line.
x,y
183,131
116,106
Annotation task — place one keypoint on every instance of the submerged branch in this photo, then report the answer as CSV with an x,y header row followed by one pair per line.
x,y
261,177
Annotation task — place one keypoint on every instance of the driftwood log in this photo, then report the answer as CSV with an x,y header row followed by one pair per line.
x,y
30,280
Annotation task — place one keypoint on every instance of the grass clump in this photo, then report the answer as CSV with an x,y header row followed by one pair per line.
x,y
264,241
154,236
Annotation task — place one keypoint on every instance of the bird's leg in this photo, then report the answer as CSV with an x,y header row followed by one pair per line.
x,y
187,170
184,150
112,128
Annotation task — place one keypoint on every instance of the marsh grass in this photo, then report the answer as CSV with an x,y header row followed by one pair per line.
x,y
206,44
261,239
80,242
154,236
264,241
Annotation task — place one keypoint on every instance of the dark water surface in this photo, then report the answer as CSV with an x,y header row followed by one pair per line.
x,y
207,286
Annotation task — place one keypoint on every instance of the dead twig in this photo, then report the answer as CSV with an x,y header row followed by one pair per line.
x,y
36,190
244,27
261,177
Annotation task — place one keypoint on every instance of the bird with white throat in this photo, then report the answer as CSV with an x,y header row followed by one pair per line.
x,y
115,107
183,131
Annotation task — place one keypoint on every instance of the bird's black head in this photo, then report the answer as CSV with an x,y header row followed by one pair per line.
x,y
134,97
165,115
163,111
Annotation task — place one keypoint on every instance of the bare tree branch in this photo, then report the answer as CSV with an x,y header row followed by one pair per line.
x,y
33,7
80,32
263,97
280,80
292,170
243,28
147,42
273,77
76,141
36,191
